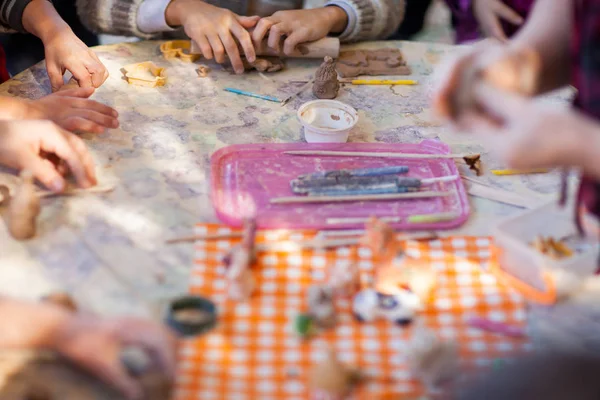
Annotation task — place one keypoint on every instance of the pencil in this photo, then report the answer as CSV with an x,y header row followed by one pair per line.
x,y
255,95
502,172
380,82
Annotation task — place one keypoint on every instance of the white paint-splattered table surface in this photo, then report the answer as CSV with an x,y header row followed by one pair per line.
x,y
109,250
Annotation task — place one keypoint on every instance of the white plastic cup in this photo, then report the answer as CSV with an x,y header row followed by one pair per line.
x,y
327,121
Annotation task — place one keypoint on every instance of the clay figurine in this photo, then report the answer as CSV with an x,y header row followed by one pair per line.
x,y
145,74
320,305
372,62
431,360
326,85
332,380
380,238
241,279
24,209
345,279
400,307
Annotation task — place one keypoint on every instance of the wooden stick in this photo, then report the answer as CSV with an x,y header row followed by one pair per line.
x,y
302,89
373,197
502,196
429,181
360,220
307,244
78,192
213,236
330,153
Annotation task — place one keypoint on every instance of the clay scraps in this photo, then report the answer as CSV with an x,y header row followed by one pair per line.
x,y
326,84
474,163
261,64
203,71
388,61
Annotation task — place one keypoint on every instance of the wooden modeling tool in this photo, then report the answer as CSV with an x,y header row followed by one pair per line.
x,y
388,82
503,172
360,220
255,95
334,153
302,89
77,192
341,199
214,236
318,49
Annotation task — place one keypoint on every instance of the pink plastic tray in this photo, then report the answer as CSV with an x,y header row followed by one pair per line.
x,y
245,177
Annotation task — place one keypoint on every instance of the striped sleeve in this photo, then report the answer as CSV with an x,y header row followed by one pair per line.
x,y
114,17
11,14
370,19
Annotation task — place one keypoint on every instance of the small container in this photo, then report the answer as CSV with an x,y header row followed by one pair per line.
x,y
538,276
327,121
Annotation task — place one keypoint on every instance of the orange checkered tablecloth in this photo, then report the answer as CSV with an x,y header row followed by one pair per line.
x,y
254,353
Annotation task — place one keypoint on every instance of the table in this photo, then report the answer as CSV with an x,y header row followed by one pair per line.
x,y
109,251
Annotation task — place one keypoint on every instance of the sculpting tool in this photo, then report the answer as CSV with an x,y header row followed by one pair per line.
x,y
360,220
302,89
370,197
255,95
333,153
393,170
388,189
214,236
503,172
376,185
432,218
348,182
379,82
77,191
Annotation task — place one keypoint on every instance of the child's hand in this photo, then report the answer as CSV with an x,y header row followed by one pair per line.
x,y
528,135
65,51
35,145
488,14
299,26
215,30
96,345
72,110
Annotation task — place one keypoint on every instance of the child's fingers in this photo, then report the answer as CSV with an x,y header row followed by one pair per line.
x,y
260,32
44,171
245,41
81,74
493,28
232,52
205,48
114,373
293,40
217,48
99,118
275,34
94,106
76,123
449,83
84,155
248,22
80,92
508,14
55,76
56,142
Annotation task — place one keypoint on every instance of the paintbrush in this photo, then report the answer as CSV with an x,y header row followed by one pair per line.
x,y
255,95
379,82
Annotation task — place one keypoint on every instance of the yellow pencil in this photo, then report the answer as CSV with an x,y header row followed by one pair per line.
x,y
380,82
502,172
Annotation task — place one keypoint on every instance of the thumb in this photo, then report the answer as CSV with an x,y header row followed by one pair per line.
x,y
248,22
55,76
45,172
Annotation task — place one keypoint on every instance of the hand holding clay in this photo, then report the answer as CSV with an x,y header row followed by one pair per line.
x,y
96,345
32,145
504,67
528,134
214,29
488,14
65,51
299,26
72,110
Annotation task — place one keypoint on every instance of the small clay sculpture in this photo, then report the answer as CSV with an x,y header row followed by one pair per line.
x,y
241,279
430,359
320,305
326,85
203,71
145,74
62,299
387,61
24,209
345,279
332,380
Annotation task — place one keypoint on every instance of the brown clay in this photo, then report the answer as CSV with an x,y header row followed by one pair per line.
x,y
61,299
380,238
387,61
474,163
24,209
203,71
38,392
326,84
332,379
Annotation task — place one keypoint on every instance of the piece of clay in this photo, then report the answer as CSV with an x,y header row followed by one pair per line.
x,y
178,49
474,163
38,392
380,238
24,209
326,84
261,64
332,380
386,61
145,74
345,279
238,262
4,195
431,360
400,307
518,74
320,305
62,299
203,71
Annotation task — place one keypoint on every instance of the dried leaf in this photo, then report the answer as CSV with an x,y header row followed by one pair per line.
x,y
474,163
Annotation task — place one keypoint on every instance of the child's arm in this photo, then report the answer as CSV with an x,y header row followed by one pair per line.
x,y
351,20
70,109
92,342
64,50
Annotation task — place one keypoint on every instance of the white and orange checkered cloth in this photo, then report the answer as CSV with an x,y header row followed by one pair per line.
x,y
254,352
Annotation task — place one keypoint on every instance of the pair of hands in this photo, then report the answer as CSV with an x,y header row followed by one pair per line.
x,y
525,133
218,31
38,138
489,14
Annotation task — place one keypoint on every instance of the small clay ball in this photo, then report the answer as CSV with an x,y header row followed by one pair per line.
x,y
61,299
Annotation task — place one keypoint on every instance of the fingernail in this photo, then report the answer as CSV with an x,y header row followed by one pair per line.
x,y
115,123
239,71
115,113
252,58
57,185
